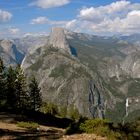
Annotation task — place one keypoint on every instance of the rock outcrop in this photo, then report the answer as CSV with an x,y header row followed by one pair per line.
x,y
58,39
64,81
9,53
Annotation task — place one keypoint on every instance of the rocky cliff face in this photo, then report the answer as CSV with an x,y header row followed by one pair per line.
x,y
131,65
13,51
58,40
94,75
117,63
30,42
67,82
63,79
9,53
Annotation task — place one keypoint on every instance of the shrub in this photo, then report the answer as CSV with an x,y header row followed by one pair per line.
x,y
100,127
63,111
89,126
49,108
28,125
74,114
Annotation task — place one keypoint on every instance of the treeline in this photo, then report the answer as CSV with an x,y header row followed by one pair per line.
x,y
15,93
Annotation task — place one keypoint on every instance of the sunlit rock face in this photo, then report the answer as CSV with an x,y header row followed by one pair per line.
x,y
131,65
96,80
6,45
97,76
9,52
58,39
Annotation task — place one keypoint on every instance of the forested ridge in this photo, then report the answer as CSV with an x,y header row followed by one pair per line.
x,y
15,93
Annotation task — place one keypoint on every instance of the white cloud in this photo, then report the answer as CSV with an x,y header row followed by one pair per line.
x,y
39,20
71,23
5,16
132,21
10,32
14,31
45,20
97,14
45,4
35,34
121,17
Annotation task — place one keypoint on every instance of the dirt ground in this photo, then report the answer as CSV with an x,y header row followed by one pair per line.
x,y
10,131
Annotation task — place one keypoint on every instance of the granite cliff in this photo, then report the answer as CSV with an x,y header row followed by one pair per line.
x,y
97,76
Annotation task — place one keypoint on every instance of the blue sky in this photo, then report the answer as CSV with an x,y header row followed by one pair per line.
x,y
103,17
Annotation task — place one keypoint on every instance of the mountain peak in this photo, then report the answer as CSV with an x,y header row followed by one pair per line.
x,y
58,39
6,44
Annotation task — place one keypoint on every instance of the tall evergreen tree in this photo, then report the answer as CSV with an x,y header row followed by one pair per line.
x,y
2,82
11,87
21,89
35,94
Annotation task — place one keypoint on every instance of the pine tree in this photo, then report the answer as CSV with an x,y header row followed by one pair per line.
x,y
11,87
21,89
2,82
35,94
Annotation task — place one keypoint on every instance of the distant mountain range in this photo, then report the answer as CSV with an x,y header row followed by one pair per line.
x,y
134,38
10,53
97,76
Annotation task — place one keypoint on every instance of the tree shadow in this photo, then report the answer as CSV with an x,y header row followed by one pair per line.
x,y
31,116
47,119
34,116
31,135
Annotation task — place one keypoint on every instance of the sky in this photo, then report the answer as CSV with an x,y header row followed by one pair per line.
x,y
100,17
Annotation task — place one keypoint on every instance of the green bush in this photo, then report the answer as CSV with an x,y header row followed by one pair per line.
x,y
74,114
62,111
28,125
89,126
49,108
113,131
100,127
